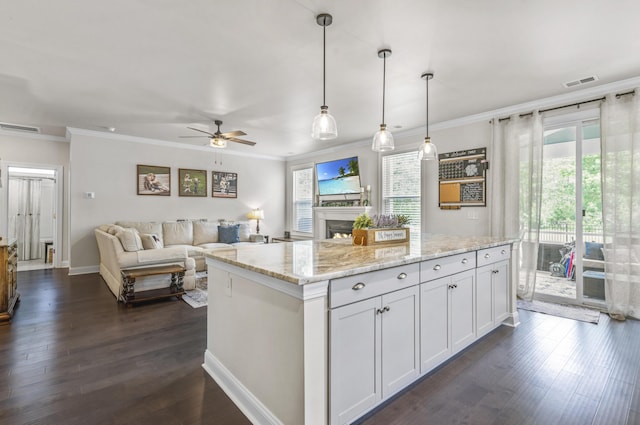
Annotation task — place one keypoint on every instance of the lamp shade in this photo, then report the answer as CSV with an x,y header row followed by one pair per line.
x,y
217,142
256,214
383,140
324,125
427,150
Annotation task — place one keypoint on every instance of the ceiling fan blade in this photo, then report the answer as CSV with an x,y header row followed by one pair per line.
x,y
202,131
234,133
244,142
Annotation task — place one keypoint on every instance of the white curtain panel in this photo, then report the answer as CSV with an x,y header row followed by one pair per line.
x,y
516,161
620,124
24,216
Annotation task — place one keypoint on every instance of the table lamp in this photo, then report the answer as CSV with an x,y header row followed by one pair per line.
x,y
256,214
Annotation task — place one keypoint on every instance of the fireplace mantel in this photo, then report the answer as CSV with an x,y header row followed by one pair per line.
x,y
322,214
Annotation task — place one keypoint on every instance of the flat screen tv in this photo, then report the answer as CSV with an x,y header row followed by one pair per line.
x,y
338,177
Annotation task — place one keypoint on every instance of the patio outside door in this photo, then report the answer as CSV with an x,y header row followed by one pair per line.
x,y
570,266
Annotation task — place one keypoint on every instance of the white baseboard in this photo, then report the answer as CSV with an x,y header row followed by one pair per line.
x,y
513,320
248,404
83,270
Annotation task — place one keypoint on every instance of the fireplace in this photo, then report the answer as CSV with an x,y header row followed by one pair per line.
x,y
338,228
346,215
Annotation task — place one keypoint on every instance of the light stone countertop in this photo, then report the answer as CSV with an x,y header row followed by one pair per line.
x,y
316,260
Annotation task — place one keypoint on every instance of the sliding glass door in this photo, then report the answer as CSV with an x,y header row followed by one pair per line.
x,y
570,259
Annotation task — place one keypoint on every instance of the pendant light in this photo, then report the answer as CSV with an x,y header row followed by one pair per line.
x,y
383,139
324,125
427,150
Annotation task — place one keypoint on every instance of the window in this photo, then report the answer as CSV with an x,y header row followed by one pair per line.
x,y
401,187
302,220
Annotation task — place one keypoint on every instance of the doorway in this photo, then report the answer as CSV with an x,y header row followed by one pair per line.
x,y
570,257
32,205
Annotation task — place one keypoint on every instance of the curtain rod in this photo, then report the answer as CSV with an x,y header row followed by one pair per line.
x,y
601,99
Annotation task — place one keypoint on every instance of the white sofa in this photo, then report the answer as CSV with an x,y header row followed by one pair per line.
x,y
134,244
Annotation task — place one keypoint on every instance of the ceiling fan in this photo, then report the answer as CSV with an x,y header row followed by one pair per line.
x,y
218,139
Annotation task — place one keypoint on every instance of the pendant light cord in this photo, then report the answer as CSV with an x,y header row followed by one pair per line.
x,y
384,79
324,62
427,108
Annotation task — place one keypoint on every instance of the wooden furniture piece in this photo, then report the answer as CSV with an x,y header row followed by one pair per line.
x,y
129,277
9,294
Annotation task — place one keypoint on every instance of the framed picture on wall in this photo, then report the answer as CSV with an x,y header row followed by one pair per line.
x,y
154,180
192,182
225,185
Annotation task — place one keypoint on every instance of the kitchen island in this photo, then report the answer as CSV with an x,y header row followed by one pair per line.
x,y
321,332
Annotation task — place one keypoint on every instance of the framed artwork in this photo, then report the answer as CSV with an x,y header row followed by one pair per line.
x,y
225,185
192,182
154,180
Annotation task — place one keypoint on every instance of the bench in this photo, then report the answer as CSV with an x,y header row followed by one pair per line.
x,y
129,277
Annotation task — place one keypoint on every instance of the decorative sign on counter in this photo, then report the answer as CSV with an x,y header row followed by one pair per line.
x,y
462,178
380,236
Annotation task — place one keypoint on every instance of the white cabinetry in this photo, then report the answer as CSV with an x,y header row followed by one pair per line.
x,y
374,343
446,318
492,301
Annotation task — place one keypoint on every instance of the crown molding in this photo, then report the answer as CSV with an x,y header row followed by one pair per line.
x,y
71,131
33,136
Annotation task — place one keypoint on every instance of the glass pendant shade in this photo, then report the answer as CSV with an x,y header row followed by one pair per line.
x,y
217,143
324,125
382,140
427,151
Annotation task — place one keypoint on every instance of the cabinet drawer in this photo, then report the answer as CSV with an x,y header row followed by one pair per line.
x,y
446,266
493,255
359,287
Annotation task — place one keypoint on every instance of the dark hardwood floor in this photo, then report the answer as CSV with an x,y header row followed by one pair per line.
x,y
72,355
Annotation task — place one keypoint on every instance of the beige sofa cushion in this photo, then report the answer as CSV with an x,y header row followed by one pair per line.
x,y
204,232
150,241
150,227
130,240
177,233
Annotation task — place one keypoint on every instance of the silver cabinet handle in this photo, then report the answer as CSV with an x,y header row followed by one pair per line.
x,y
378,311
386,309
487,255
358,286
436,267
503,252
402,276
465,261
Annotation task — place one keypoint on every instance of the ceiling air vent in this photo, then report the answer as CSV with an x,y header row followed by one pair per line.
x,y
16,127
580,81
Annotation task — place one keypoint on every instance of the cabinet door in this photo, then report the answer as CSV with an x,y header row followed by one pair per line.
x,y
463,330
435,345
400,339
484,300
501,291
355,359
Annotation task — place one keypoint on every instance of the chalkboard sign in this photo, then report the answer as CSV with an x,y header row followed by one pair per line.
x,y
462,178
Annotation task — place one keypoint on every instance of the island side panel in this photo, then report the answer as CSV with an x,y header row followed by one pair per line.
x,y
266,341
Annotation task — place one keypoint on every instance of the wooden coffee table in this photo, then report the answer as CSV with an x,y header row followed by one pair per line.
x,y
129,277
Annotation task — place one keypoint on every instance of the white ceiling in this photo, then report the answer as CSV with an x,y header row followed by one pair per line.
x,y
152,68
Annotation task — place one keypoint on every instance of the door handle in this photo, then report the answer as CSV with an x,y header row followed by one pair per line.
x,y
358,286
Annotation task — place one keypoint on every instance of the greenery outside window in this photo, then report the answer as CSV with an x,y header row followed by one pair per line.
x,y
401,188
302,214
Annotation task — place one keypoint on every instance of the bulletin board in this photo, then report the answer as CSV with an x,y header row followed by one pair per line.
x,y
462,178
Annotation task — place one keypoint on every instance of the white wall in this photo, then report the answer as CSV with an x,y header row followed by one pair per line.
x,y
467,220
36,150
106,165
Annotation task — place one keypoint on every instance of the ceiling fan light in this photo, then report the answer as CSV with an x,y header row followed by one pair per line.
x,y
324,125
382,140
427,150
217,142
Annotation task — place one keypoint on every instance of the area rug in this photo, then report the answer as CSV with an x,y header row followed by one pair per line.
x,y
197,297
562,310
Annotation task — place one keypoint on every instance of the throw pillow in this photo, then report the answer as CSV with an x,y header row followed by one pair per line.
x,y
229,234
150,241
130,240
